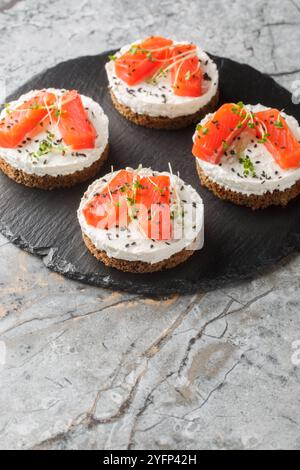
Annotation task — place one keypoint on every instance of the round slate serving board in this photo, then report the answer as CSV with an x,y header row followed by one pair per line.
x,y
238,242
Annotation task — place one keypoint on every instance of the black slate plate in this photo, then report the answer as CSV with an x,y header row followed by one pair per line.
x,y
239,242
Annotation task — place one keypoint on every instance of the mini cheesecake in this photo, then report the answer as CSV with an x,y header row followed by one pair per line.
x,y
249,155
141,221
52,138
161,83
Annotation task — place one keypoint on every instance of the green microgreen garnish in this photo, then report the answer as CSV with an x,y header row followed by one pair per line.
x,y
133,50
188,75
7,108
47,145
159,74
150,57
34,106
50,135
130,200
237,108
58,112
279,123
264,138
248,165
136,184
112,57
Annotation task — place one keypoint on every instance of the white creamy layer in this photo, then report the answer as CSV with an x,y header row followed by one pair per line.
x,y
159,99
54,163
131,244
269,175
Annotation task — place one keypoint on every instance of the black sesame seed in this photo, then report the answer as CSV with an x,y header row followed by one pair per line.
x,y
207,77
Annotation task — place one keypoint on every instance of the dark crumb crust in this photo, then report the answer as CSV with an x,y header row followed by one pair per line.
x,y
161,122
136,266
276,198
52,182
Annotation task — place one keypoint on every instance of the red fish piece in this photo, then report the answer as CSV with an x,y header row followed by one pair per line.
x,y
26,119
143,60
213,138
153,202
278,138
186,73
74,124
109,207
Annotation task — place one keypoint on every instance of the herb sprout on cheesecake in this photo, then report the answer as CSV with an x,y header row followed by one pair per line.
x,y
52,138
249,155
163,83
141,220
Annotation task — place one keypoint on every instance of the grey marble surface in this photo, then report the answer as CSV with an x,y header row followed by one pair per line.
x,y
87,368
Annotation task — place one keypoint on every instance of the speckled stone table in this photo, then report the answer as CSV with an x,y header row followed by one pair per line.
x,y
87,368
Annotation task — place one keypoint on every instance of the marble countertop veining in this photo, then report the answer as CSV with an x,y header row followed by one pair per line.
x,y
86,368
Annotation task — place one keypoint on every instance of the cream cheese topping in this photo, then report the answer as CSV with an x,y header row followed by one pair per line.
x,y
131,244
269,176
158,99
55,163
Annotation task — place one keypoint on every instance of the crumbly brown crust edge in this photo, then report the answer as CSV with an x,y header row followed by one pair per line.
x,y
48,182
136,266
161,122
276,198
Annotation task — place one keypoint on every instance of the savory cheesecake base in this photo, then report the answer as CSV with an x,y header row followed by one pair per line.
x,y
52,182
137,266
255,202
161,122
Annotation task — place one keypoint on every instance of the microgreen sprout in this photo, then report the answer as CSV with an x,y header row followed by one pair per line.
x,y
133,50
225,145
278,123
264,138
47,145
248,165
180,59
7,108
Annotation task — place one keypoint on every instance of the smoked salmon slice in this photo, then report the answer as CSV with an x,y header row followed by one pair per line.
x,y
186,73
74,125
143,60
26,118
128,196
153,202
278,138
109,207
213,138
